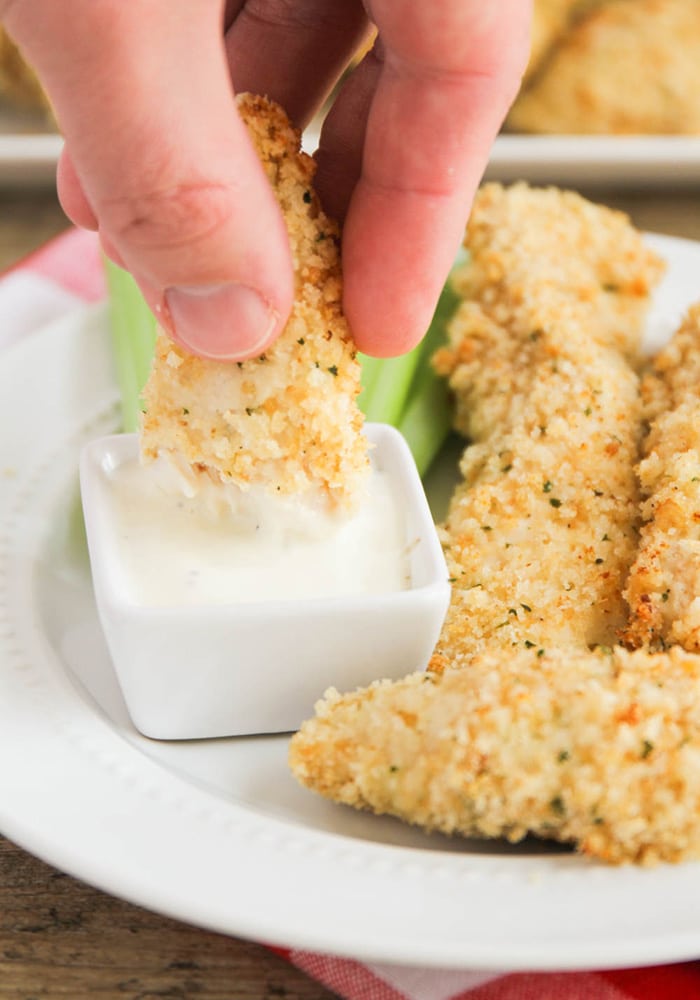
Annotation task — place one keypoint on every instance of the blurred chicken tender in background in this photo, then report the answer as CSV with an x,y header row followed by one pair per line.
x,y
619,67
19,86
550,20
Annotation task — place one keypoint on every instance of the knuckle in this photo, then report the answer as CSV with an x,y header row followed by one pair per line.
x,y
179,215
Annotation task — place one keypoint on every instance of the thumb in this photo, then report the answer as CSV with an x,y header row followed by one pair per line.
x,y
158,155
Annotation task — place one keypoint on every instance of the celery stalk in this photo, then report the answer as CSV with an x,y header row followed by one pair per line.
x,y
133,337
370,368
388,386
426,422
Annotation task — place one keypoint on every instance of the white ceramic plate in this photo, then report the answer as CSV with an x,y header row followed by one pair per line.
x,y
217,833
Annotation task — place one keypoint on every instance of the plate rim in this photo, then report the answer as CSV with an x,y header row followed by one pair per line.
x,y
45,698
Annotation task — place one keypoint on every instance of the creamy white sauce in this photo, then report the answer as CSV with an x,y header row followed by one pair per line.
x,y
174,550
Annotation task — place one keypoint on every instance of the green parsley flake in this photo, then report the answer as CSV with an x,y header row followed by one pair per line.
x,y
557,806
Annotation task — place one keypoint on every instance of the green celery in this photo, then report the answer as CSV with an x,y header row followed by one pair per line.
x,y
427,421
370,368
386,386
133,337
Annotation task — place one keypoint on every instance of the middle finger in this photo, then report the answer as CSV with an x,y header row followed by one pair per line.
x,y
292,51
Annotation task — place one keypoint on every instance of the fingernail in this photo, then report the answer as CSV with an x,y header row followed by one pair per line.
x,y
222,322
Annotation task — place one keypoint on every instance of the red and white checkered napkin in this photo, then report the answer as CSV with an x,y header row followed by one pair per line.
x,y
67,273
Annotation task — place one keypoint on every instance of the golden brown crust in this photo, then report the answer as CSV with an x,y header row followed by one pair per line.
x,y
598,750
287,421
535,248
518,727
540,534
663,589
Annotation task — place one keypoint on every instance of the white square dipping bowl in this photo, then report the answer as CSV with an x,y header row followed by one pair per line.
x,y
192,672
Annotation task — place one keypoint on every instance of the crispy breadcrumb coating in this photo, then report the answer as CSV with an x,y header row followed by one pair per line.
x,y
625,68
525,242
518,727
540,534
675,370
663,589
601,750
287,421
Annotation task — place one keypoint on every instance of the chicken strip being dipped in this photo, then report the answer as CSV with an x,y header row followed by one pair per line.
x,y
286,423
663,589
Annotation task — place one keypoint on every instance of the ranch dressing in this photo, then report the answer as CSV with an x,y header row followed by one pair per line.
x,y
176,550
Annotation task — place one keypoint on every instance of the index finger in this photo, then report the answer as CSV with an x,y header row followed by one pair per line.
x,y
449,75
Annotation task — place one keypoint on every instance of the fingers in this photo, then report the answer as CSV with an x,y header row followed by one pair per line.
x,y
71,194
159,159
340,151
448,78
293,52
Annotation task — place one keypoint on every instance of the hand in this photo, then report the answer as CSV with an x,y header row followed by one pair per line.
x,y
157,160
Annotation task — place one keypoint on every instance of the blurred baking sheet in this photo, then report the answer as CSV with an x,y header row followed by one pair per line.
x,y
595,161
29,149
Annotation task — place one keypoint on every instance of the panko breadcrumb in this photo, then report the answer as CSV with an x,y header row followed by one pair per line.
x,y
540,534
287,421
625,68
663,589
600,750
518,727
525,242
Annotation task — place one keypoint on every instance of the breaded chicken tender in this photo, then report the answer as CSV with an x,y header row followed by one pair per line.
x,y
593,749
19,84
288,421
525,242
630,66
550,19
675,370
540,534
663,589
518,727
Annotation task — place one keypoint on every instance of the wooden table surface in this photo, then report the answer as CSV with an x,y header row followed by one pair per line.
x,y
61,938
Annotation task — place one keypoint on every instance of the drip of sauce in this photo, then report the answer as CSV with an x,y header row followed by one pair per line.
x,y
178,550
